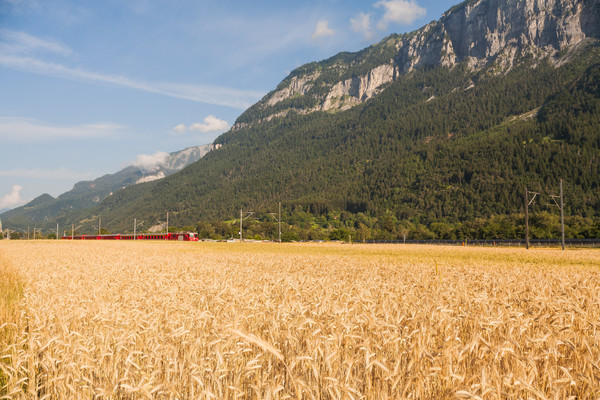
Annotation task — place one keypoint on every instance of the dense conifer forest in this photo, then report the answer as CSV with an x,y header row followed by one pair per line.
x,y
441,153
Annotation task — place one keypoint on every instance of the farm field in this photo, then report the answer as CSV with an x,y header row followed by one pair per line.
x,y
131,320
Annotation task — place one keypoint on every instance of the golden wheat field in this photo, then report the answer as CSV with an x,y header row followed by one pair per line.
x,y
134,320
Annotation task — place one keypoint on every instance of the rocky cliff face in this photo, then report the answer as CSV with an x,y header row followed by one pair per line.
x,y
475,32
170,163
178,160
484,31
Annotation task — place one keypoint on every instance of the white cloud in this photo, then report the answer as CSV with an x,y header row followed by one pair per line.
x,y
16,50
362,24
211,124
180,129
223,96
23,43
399,11
25,129
12,199
151,163
322,29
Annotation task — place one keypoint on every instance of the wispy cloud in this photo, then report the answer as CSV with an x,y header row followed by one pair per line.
x,y
216,95
262,38
23,43
399,11
47,173
362,24
322,29
12,199
19,51
25,129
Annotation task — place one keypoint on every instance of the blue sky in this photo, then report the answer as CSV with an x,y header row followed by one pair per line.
x,y
87,86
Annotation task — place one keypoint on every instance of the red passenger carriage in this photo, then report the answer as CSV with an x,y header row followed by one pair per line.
x,y
179,236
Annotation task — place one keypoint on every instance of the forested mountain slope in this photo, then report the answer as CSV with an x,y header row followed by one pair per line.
x,y
430,146
448,123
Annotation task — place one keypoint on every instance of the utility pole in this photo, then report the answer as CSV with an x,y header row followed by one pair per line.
x,y
278,220
242,220
167,222
526,220
135,225
73,230
99,226
527,203
562,213
57,231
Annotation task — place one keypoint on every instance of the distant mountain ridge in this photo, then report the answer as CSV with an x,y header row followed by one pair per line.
x,y
87,194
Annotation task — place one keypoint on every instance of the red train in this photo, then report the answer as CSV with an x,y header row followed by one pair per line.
x,y
180,236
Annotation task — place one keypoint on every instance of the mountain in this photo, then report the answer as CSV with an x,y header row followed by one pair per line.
x,y
475,33
46,210
443,125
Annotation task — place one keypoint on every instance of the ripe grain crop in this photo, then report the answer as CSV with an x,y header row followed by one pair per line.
x,y
113,320
11,291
